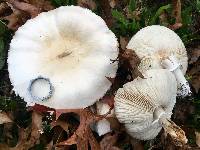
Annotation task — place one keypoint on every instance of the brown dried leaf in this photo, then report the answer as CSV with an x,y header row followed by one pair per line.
x,y
26,142
41,108
123,42
175,26
90,4
30,9
108,142
177,14
106,12
16,19
83,135
4,118
4,9
93,142
133,60
64,125
4,147
43,5
177,10
27,137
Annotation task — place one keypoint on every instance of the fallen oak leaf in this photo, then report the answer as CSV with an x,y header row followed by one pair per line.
x,y
58,135
177,10
177,14
26,142
175,26
40,108
106,12
5,147
4,118
82,144
4,9
15,20
93,142
43,5
29,136
30,9
123,42
134,61
62,124
83,132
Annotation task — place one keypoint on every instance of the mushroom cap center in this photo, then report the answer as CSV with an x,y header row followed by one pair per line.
x,y
63,54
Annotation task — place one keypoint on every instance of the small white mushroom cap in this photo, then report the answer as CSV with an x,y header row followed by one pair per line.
x,y
155,46
139,102
154,43
70,47
103,126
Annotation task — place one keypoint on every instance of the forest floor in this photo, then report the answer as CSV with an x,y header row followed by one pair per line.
x,y
19,125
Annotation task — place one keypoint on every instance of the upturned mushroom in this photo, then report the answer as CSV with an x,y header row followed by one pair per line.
x,y
159,47
145,106
61,58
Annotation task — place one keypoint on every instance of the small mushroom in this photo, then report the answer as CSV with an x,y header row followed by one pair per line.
x,y
145,105
154,45
103,126
61,58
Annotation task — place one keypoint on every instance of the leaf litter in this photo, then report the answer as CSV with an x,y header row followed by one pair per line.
x,y
16,13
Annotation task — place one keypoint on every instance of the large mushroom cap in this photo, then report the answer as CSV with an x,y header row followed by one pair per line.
x,y
70,48
154,43
137,102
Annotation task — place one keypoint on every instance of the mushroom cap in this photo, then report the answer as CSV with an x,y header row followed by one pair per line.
x,y
154,43
71,47
136,102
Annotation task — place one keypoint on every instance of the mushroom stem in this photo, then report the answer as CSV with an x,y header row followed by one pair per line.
x,y
170,128
172,64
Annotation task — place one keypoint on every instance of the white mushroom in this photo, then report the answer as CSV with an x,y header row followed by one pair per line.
x,y
103,126
61,58
145,105
154,44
